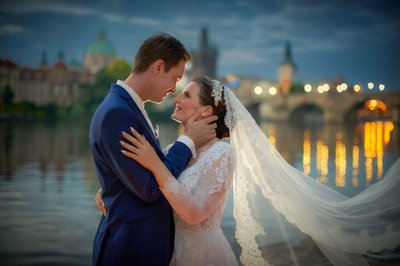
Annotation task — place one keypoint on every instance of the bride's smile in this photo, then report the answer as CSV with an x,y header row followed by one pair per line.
x,y
186,103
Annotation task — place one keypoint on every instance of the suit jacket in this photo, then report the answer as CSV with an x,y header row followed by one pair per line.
x,y
138,228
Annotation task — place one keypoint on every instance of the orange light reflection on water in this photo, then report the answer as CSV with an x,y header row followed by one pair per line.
x,y
307,152
356,162
322,157
366,148
340,161
375,136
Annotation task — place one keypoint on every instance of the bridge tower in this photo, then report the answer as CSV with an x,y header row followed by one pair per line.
x,y
204,58
286,71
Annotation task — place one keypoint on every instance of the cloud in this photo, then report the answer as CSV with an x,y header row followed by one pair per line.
x,y
144,21
249,35
12,29
58,7
24,7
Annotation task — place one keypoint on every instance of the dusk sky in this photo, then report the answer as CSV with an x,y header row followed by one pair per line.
x,y
357,40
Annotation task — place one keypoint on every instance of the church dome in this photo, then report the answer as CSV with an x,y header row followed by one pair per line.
x,y
99,54
101,47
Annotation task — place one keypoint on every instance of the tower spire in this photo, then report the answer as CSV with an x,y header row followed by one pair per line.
x,y
288,54
205,57
286,71
203,45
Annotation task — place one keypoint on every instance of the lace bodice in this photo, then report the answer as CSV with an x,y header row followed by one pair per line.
x,y
199,195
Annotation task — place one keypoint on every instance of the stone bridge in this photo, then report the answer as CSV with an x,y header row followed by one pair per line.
x,y
331,107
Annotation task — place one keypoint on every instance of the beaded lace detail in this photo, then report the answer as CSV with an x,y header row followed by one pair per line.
x,y
216,91
201,192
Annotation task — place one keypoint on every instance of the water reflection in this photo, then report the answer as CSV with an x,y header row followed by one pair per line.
x,y
48,181
47,184
338,155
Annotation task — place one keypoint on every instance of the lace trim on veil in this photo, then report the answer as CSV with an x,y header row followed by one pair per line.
x,y
344,228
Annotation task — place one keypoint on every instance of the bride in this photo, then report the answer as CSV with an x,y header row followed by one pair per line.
x,y
345,229
198,197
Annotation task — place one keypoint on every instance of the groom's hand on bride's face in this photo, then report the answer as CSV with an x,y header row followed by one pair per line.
x,y
200,130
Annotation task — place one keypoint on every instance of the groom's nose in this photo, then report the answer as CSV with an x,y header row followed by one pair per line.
x,y
173,89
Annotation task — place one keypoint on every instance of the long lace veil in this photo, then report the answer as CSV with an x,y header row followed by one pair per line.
x,y
343,228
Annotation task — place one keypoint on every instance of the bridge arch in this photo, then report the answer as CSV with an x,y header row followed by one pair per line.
x,y
371,108
309,112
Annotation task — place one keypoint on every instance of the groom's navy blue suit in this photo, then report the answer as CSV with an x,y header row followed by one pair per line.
x,y
138,228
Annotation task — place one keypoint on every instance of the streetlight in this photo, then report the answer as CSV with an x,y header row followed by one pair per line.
x,y
326,87
272,91
258,90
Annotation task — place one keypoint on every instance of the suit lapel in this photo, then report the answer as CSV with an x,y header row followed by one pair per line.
x,y
124,94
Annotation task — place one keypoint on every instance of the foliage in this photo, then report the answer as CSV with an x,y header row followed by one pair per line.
x,y
28,111
297,87
93,94
8,95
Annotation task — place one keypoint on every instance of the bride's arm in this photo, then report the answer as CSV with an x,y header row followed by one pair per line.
x,y
192,208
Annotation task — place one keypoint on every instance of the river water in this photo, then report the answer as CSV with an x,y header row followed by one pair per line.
x,y
48,183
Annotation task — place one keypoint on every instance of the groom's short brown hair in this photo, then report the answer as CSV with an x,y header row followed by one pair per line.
x,y
160,46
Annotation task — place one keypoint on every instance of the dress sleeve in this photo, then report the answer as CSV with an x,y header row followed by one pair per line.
x,y
214,181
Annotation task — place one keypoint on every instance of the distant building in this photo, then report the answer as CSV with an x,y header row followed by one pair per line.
x,y
59,83
286,71
99,54
56,84
249,87
204,58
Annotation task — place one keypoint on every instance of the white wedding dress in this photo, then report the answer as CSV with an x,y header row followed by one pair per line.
x,y
198,198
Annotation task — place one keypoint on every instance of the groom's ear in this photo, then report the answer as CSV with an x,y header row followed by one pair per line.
x,y
158,66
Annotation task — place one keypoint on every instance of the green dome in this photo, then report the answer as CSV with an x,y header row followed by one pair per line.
x,y
101,47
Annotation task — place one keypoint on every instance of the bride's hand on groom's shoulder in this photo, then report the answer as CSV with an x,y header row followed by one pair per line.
x,y
139,149
199,129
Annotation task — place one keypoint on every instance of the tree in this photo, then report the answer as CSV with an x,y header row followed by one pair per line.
x,y
8,94
93,94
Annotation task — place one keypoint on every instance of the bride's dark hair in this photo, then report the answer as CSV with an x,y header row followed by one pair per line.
x,y
206,88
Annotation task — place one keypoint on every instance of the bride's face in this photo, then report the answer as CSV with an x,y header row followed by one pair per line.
x,y
187,103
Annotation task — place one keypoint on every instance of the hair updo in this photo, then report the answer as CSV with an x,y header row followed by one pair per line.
x,y
206,88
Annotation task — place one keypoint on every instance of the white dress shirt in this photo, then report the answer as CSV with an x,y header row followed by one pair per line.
x,y
183,138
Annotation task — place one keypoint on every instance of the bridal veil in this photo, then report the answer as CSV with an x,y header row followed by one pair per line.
x,y
343,228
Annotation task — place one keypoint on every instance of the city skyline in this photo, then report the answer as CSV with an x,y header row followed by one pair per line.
x,y
353,40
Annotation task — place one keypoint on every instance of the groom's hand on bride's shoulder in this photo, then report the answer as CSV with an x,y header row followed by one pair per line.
x,y
199,129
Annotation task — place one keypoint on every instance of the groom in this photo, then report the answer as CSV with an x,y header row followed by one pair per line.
x,y
138,227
